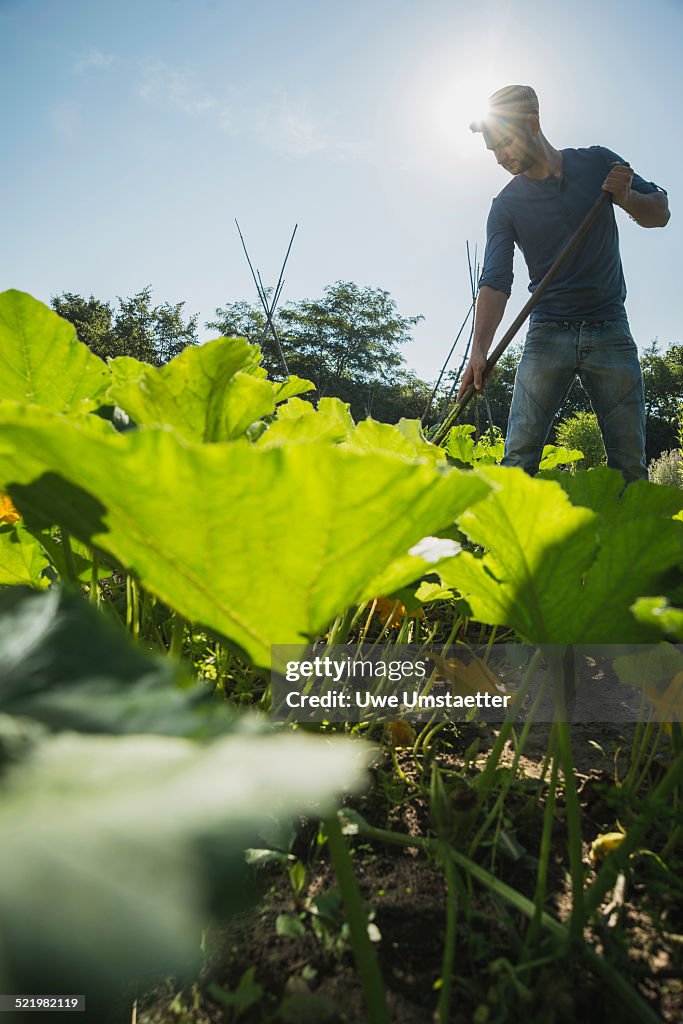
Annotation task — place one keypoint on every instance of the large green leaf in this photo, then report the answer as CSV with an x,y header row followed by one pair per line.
x,y
294,385
22,558
207,393
68,667
564,573
299,421
659,613
265,546
42,362
405,438
115,849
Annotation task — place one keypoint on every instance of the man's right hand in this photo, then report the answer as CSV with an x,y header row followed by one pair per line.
x,y
474,374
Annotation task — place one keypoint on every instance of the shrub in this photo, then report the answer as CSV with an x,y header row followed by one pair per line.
x,y
582,431
667,469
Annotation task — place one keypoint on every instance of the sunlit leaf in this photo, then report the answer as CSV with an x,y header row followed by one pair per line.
x,y
208,393
554,456
658,612
292,386
299,421
42,362
559,571
264,546
22,558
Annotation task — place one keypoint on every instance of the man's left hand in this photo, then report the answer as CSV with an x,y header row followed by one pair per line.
x,y
618,182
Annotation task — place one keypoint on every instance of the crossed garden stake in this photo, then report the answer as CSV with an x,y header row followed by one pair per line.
x,y
263,296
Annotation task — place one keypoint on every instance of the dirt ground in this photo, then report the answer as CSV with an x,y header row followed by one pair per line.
x,y
309,975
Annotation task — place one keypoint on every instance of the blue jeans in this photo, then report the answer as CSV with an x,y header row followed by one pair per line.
x,y
605,357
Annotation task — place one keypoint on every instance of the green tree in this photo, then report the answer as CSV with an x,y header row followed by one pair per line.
x,y
244,320
663,380
92,319
347,342
138,328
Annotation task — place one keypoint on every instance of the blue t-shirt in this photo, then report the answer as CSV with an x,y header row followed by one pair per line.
x,y
540,215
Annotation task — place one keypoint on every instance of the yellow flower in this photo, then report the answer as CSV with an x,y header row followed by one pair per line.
x,y
8,513
604,844
400,733
393,611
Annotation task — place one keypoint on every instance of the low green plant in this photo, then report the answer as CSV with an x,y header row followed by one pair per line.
x,y
667,469
582,431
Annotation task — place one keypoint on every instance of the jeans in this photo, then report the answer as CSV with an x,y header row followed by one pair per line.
x,y
605,357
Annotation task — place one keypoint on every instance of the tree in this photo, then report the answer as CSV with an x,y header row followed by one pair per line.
x,y
92,319
347,342
663,380
152,334
243,320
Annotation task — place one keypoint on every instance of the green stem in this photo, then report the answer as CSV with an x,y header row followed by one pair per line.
x,y
94,594
129,602
339,633
543,859
486,778
630,997
397,767
449,943
638,754
672,841
177,636
510,777
649,759
364,955
574,838
135,610
71,574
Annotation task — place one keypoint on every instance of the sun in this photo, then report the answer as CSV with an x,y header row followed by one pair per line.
x,y
455,103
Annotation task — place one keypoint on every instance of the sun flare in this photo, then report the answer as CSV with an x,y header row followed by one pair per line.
x,y
457,102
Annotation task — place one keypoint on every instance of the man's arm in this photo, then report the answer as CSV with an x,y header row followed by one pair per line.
x,y
649,209
488,314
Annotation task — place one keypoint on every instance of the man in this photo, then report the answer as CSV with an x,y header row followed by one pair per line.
x,y
580,325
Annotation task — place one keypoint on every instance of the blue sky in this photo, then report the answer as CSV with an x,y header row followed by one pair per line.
x,y
134,133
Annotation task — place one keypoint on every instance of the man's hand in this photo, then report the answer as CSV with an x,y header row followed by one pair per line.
x,y
473,374
649,209
618,182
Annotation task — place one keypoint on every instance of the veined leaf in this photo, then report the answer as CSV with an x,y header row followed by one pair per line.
x,y
460,443
208,393
563,573
292,386
556,455
42,362
298,421
22,558
264,546
537,547
405,438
